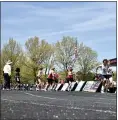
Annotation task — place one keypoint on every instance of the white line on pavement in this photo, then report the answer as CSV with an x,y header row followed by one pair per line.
x,y
64,99
44,97
106,103
49,105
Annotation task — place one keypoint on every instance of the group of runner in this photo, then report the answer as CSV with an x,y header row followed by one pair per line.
x,y
52,79
106,77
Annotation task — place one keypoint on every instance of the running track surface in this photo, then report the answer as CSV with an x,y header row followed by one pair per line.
x,y
41,105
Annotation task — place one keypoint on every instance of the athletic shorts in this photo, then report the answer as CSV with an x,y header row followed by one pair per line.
x,y
108,77
56,81
69,80
50,81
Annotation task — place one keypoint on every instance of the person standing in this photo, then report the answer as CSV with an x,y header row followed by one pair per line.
x,y
7,75
17,77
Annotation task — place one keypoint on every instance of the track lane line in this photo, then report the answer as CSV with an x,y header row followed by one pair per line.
x,y
73,108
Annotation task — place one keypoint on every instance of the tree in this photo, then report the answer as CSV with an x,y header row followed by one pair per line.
x,y
87,60
89,76
37,52
64,52
49,61
11,51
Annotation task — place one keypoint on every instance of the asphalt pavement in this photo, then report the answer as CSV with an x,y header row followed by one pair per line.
x,y
55,105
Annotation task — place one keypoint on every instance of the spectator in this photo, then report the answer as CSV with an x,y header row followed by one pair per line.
x,y
17,77
7,75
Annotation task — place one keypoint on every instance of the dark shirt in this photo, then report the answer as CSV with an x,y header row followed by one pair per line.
x,y
17,76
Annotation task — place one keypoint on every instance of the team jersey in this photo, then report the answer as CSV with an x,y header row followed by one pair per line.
x,y
70,75
51,74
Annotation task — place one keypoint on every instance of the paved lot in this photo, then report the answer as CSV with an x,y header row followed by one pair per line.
x,y
40,105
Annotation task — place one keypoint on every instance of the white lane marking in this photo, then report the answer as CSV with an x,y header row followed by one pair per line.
x,y
44,97
74,108
105,103
64,99
98,98
54,98
107,99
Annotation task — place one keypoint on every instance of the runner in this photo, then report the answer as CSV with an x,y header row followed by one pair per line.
x,y
106,76
70,78
50,78
55,80
110,83
39,79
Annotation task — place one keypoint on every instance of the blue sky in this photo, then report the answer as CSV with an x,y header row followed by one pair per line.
x,y
93,23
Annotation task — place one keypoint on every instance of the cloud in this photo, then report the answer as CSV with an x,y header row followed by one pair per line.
x,y
14,5
78,19
32,12
71,19
99,23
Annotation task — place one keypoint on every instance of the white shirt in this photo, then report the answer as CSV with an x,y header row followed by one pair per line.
x,y
7,69
104,69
